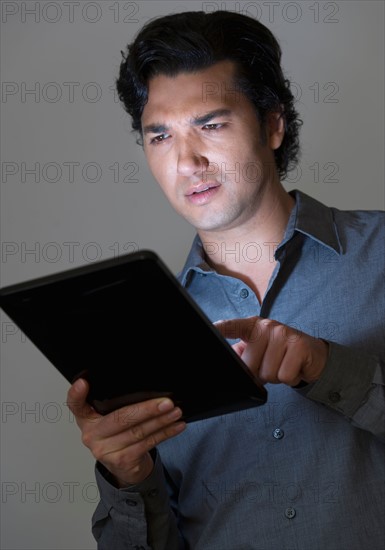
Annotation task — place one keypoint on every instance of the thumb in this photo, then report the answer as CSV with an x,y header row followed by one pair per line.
x,y
76,400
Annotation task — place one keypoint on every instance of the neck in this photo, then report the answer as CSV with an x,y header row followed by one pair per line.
x,y
247,251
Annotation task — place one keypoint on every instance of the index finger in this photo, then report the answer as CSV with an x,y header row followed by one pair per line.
x,y
246,329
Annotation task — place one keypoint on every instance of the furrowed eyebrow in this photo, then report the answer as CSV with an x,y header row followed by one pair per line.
x,y
204,119
155,129
196,121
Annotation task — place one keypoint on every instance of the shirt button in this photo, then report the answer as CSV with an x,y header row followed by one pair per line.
x,y
244,293
278,433
290,513
153,493
334,397
131,502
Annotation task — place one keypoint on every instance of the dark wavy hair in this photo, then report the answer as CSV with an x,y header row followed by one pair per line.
x,y
191,41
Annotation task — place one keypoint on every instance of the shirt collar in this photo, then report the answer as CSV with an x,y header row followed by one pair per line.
x,y
195,261
309,216
314,219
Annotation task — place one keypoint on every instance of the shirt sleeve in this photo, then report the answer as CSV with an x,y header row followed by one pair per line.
x,y
135,518
353,383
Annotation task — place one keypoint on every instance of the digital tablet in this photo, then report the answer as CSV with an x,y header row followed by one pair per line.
x,y
129,327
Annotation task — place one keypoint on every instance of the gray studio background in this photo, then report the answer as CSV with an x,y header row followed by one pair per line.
x,y
75,189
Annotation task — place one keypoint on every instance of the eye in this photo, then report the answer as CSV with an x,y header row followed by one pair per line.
x,y
159,139
213,126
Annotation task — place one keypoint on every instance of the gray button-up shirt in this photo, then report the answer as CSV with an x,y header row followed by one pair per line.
x,y
306,470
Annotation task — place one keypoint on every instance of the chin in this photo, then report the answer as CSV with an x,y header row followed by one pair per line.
x,y
210,226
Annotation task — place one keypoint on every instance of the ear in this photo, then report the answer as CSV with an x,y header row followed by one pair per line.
x,y
275,129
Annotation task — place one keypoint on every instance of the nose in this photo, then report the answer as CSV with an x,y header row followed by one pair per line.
x,y
190,161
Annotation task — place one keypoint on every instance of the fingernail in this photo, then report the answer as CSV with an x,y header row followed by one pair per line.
x,y
165,405
179,427
78,385
175,414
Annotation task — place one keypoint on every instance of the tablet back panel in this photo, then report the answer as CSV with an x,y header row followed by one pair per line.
x,y
131,329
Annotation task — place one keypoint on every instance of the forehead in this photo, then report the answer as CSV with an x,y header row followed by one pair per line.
x,y
193,93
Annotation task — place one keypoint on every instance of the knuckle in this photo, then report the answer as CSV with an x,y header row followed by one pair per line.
x,y
87,439
268,323
252,331
127,415
77,408
137,432
152,441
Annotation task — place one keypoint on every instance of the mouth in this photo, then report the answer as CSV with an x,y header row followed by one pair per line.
x,y
201,188
203,193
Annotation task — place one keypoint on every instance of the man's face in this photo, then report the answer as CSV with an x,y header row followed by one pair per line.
x,y
204,146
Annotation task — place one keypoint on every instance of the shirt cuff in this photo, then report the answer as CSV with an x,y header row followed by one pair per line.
x,y
345,381
151,494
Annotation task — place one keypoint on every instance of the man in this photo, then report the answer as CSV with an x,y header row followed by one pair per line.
x,y
301,295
